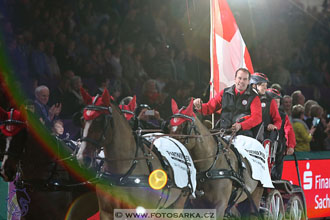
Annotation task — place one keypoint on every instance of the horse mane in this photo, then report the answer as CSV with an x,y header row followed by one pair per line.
x,y
122,135
200,126
122,118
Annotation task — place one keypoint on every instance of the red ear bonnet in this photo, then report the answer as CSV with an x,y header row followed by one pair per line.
x,y
175,108
86,97
187,111
104,100
13,121
129,107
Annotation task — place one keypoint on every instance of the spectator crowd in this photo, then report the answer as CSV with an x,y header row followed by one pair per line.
x,y
139,48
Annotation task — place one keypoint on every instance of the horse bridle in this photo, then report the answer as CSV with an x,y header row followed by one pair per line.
x,y
11,121
192,127
127,112
108,119
212,173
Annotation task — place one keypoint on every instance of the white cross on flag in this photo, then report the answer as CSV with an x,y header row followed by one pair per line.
x,y
228,51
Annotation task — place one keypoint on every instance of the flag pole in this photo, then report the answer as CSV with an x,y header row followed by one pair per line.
x,y
211,57
228,51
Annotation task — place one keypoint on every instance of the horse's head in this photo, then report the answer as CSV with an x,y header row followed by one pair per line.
x,y
183,122
13,127
128,110
97,118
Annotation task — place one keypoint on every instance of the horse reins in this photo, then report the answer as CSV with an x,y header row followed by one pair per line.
x,y
126,179
43,184
221,132
222,173
193,127
97,143
93,107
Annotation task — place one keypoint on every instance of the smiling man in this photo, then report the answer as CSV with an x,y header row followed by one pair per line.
x,y
240,105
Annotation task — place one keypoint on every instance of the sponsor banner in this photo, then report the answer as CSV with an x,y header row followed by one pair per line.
x,y
178,157
315,180
254,152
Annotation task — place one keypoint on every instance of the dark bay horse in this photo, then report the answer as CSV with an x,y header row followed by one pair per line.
x,y
216,163
41,176
127,164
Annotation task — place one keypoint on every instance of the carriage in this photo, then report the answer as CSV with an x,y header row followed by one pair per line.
x,y
274,202
285,201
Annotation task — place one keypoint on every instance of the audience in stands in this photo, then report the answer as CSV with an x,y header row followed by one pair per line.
x,y
142,49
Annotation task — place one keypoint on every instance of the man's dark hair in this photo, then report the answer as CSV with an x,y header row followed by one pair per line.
x,y
244,70
295,96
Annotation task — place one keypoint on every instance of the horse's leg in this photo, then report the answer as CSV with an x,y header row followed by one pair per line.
x,y
110,198
84,206
106,208
180,202
256,198
106,215
217,194
221,208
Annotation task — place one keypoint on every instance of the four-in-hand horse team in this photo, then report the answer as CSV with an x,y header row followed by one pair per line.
x,y
183,165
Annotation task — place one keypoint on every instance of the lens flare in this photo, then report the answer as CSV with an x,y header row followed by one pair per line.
x,y
157,179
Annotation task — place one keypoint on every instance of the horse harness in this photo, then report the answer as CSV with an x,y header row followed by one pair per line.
x,y
214,174
211,173
9,122
128,179
192,127
50,184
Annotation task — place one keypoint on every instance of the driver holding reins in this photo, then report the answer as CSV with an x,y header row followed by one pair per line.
x,y
240,105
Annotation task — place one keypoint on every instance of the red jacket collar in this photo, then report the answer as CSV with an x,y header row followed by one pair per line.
x,y
236,91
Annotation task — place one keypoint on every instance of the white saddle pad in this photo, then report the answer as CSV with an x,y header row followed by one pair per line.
x,y
254,152
178,157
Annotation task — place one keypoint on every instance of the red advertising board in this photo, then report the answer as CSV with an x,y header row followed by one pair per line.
x,y
315,180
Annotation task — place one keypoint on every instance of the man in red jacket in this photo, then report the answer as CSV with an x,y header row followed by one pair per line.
x,y
287,137
240,105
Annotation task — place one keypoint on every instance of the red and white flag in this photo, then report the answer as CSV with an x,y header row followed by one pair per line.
x,y
228,51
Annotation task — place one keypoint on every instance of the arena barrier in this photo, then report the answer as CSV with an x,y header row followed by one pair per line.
x,y
315,180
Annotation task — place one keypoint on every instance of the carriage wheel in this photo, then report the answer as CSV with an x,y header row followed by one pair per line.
x,y
295,209
274,206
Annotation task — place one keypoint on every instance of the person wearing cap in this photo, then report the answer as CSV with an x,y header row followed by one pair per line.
x,y
140,117
270,114
286,136
240,105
